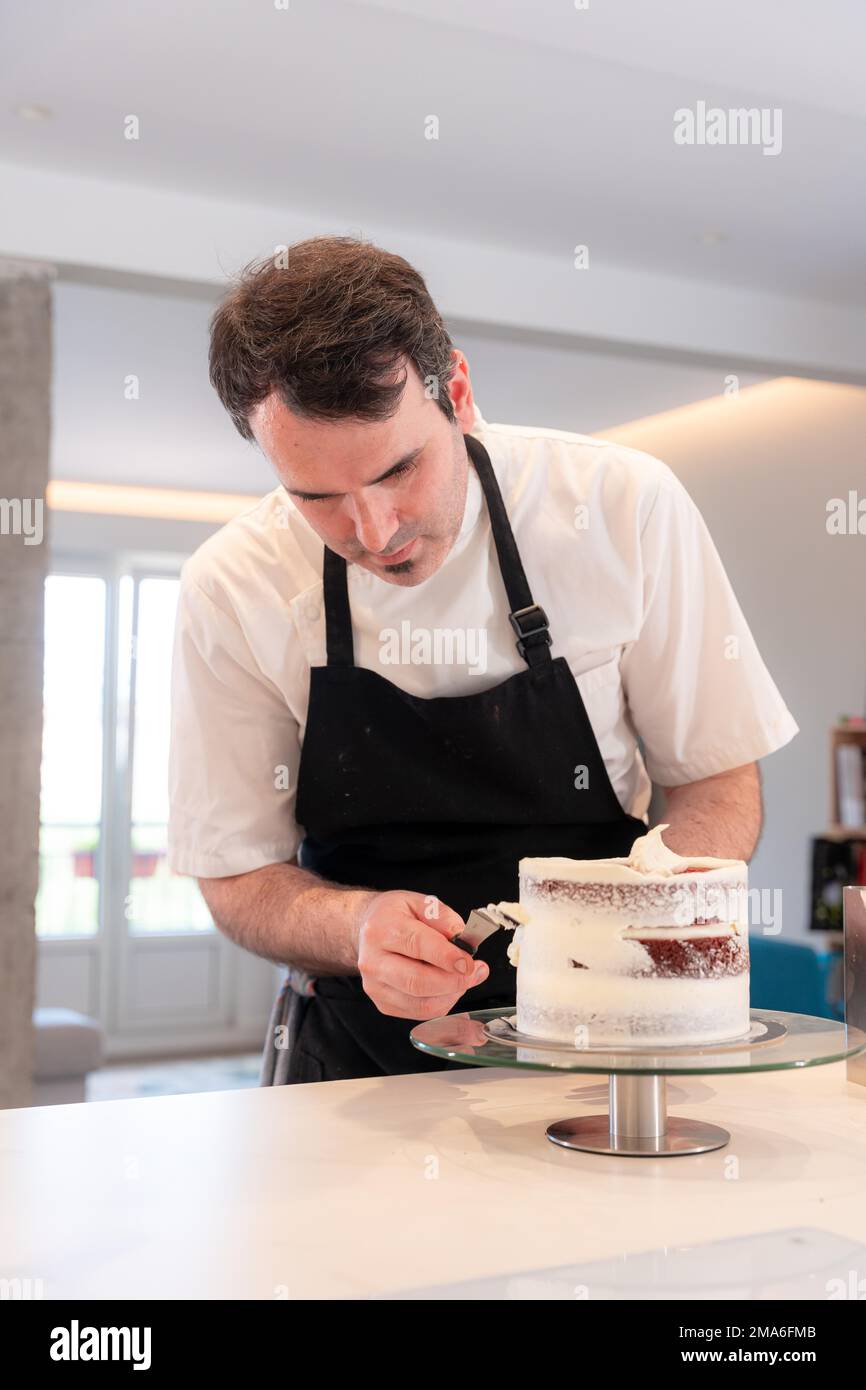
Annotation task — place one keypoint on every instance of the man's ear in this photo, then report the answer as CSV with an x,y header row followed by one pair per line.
x,y
460,391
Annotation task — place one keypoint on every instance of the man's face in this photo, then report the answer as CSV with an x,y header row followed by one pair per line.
x,y
387,495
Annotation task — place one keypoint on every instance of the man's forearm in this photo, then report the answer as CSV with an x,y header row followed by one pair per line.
x,y
290,916
719,816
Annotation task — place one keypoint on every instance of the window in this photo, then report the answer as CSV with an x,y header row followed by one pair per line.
x,y
158,900
67,903
104,810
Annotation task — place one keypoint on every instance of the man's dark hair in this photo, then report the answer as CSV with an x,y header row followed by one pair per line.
x,y
326,323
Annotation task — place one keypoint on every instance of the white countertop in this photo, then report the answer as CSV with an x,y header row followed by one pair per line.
x,y
351,1188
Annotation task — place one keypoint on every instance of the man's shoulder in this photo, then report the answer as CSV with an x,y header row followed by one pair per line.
x,y
577,462
264,546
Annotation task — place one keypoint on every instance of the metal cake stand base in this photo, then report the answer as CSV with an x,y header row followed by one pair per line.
x,y
638,1125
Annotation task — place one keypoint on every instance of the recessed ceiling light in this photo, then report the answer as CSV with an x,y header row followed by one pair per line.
x,y
118,499
33,112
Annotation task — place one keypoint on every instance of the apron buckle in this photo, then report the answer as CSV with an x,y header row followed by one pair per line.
x,y
530,623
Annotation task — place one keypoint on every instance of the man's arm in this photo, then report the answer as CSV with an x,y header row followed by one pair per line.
x,y
719,816
290,916
399,942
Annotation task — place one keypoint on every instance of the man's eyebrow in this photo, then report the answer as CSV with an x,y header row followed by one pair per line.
x,y
401,463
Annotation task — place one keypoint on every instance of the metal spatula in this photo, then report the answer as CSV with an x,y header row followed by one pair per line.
x,y
480,924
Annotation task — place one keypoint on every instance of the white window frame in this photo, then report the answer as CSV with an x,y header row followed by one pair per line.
x,y
242,984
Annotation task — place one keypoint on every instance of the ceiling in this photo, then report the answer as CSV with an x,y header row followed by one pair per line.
x,y
555,125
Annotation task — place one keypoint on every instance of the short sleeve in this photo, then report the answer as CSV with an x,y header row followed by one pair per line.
x,y
234,749
700,697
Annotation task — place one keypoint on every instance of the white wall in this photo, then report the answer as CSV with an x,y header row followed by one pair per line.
x,y
762,469
176,434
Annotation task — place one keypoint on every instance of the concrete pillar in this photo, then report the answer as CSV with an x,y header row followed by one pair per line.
x,y
25,384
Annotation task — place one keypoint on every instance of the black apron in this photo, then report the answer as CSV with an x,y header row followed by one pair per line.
x,y
441,796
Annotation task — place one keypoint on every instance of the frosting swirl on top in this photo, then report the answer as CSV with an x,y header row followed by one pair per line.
x,y
649,859
650,855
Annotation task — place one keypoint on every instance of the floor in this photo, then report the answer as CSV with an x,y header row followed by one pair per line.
x,y
174,1078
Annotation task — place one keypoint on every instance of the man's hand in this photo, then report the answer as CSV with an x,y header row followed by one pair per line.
x,y
408,967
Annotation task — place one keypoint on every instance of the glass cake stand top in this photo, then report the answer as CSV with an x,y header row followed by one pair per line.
x,y
776,1040
638,1124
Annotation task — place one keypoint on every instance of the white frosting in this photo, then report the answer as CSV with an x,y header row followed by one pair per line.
x,y
650,855
649,860
502,912
589,1011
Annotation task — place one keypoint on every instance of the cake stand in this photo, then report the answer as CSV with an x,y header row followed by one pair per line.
x,y
638,1125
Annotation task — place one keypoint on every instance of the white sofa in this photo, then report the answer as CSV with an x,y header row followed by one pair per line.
x,y
68,1045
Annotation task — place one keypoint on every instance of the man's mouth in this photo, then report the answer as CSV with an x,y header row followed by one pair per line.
x,y
397,556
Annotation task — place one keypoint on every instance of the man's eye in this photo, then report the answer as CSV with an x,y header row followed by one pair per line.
x,y
404,468
398,473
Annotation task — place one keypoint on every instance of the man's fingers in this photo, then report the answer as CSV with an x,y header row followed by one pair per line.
x,y
418,1007
405,948
411,935
411,975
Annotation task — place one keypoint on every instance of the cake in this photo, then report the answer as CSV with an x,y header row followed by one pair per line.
x,y
648,950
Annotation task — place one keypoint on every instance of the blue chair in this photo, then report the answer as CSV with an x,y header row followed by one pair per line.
x,y
799,977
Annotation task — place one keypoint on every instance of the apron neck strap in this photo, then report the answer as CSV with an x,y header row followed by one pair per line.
x,y
527,618
338,614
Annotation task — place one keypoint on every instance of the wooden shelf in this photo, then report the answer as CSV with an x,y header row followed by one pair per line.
x,y
843,734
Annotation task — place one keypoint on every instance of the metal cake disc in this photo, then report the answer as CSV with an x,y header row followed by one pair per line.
x,y
504,1030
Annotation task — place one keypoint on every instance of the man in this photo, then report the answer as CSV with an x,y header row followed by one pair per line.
x,y
428,653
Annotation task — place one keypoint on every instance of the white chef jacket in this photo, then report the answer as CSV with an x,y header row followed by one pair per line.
x,y
614,550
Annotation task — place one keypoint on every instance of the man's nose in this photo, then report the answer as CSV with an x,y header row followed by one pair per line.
x,y
375,523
